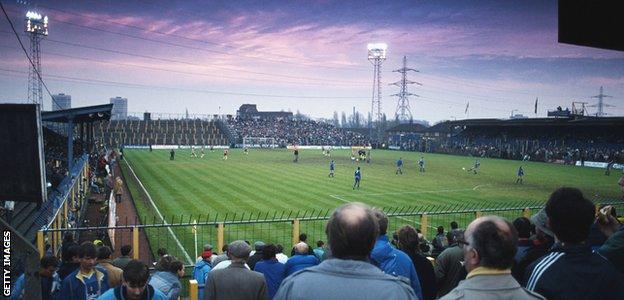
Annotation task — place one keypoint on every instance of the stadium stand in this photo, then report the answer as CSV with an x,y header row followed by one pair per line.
x,y
300,132
162,132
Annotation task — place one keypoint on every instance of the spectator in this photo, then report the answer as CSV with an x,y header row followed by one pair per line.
x,y
449,268
391,260
523,227
449,235
114,273
303,238
124,259
50,281
571,269
221,257
351,234
71,261
87,282
540,245
68,241
134,285
408,242
118,189
490,247
274,271
9,206
301,260
201,269
281,257
319,250
439,242
167,277
257,256
236,281
613,248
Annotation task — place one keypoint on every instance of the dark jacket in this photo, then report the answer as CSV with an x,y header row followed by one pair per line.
x,y
66,269
426,276
537,250
395,262
613,249
449,269
235,282
255,258
574,272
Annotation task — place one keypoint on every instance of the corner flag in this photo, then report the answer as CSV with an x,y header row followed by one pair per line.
x,y
536,105
467,105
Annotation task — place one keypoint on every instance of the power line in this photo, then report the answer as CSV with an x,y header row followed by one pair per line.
x,y
146,86
27,56
182,37
186,72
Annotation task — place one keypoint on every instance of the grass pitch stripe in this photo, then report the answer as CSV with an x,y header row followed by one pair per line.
x,y
188,257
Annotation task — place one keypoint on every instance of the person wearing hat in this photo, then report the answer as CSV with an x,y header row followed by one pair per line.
x,y
540,243
201,269
257,255
236,281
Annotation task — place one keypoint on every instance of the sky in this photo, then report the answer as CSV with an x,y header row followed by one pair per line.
x,y
310,56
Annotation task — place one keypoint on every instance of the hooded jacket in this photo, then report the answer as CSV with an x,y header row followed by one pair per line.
x,y
395,262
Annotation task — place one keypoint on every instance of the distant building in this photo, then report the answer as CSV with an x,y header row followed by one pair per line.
x,y
61,102
250,111
120,108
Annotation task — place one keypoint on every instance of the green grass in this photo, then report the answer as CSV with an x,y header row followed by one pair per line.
x,y
268,181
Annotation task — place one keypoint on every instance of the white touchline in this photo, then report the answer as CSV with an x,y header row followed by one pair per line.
x,y
188,257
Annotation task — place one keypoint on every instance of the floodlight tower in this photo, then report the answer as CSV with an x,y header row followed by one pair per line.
x,y
403,113
376,55
37,29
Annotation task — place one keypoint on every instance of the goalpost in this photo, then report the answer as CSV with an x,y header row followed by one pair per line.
x,y
259,142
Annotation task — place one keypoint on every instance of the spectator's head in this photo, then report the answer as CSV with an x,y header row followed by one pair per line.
x,y
570,215
207,253
68,237
408,239
523,227
320,244
280,248
135,276
258,246
454,225
104,253
48,266
224,248
162,252
303,237
440,229
164,263
72,254
352,231
382,220
542,229
125,250
269,251
301,248
176,267
490,242
238,251
88,256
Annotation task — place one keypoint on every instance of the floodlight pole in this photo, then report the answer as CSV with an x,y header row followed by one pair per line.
x,y
376,55
37,29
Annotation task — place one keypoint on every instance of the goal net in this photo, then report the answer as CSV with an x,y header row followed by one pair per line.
x,y
259,142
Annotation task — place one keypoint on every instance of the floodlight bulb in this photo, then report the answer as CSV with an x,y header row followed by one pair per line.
x,y
33,15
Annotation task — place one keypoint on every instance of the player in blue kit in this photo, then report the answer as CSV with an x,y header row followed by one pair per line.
x,y
421,164
520,175
399,165
332,168
358,176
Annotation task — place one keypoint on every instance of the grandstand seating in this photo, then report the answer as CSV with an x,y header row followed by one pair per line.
x,y
161,132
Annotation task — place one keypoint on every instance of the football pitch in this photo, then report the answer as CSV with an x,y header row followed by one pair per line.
x,y
267,183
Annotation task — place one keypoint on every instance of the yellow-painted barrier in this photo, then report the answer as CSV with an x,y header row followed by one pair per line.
x,y
40,243
424,224
220,242
295,231
135,243
193,289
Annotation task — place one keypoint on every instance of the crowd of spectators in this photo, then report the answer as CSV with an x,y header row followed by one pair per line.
x,y
565,251
537,145
300,132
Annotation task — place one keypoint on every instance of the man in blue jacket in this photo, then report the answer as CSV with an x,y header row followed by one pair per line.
x,y
88,282
301,259
391,260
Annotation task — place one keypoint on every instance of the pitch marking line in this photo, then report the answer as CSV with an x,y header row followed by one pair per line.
x,y
188,257
415,192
